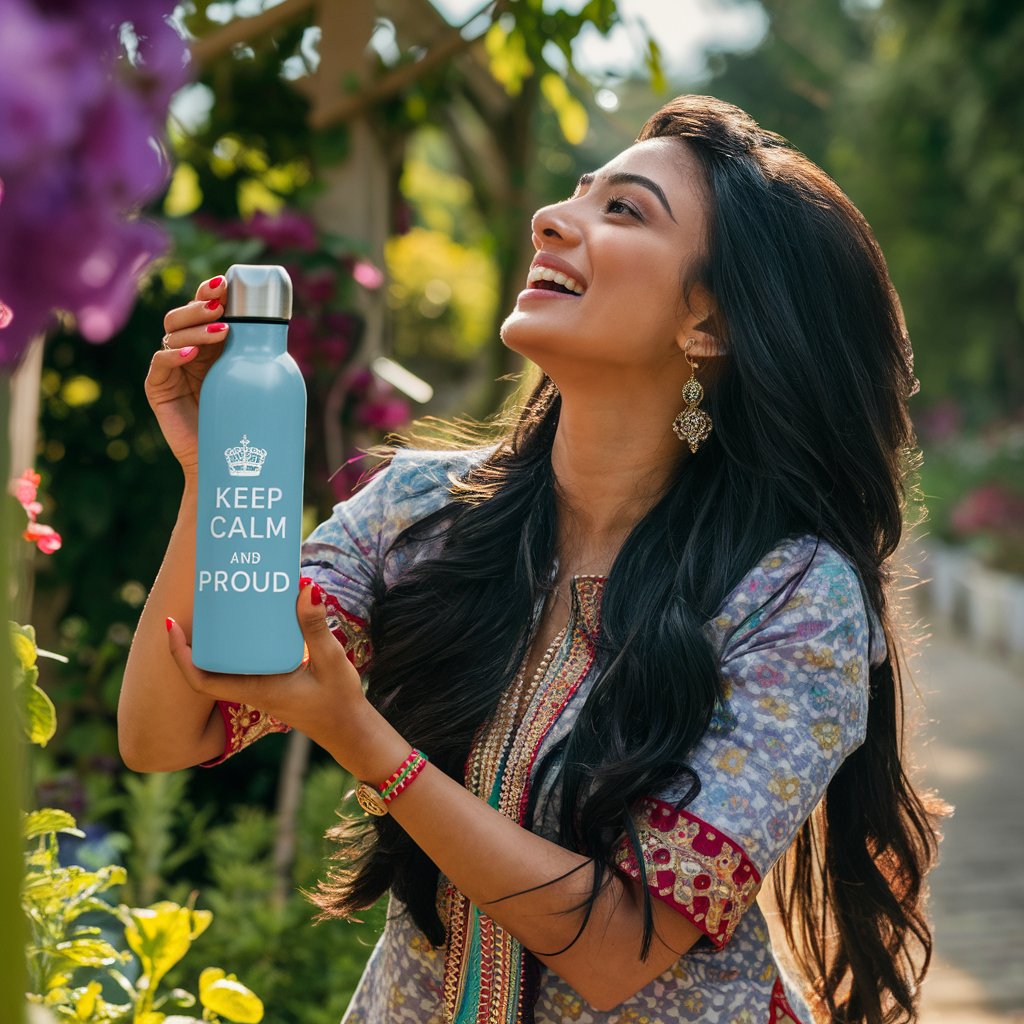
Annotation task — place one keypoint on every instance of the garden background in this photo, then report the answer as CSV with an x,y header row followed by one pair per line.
x,y
390,154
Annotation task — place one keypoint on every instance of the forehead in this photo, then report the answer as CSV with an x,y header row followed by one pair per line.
x,y
670,163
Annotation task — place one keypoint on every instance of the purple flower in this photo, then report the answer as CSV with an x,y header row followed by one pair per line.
x,y
81,146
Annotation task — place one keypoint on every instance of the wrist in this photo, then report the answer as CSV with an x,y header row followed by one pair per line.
x,y
372,748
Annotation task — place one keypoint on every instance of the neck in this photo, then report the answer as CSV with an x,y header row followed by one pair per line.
x,y
612,458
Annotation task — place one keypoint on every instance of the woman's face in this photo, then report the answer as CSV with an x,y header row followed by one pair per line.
x,y
623,240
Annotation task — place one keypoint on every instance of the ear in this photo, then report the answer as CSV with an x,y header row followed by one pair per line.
x,y
697,324
704,345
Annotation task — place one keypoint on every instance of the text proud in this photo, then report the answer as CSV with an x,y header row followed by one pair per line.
x,y
260,522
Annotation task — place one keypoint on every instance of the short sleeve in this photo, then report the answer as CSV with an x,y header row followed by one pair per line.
x,y
795,659
344,553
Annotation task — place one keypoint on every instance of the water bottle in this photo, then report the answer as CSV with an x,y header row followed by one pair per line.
x,y
252,438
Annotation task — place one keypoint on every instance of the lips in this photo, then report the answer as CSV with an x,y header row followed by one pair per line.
x,y
553,274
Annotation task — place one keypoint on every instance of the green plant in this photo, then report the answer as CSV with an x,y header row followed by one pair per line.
x,y
65,903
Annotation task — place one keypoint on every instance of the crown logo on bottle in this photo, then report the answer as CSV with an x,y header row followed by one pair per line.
x,y
245,460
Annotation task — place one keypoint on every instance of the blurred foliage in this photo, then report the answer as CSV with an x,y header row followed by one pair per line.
x,y
916,111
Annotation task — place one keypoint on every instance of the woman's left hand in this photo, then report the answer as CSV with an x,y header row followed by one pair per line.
x,y
323,697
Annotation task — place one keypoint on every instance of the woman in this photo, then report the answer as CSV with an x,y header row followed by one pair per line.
x,y
619,654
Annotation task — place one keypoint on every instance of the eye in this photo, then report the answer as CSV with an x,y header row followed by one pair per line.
x,y
618,204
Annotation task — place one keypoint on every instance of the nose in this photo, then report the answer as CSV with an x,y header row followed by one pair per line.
x,y
554,221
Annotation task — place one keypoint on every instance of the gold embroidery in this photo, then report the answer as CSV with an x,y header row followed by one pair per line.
x,y
500,956
247,724
713,888
353,632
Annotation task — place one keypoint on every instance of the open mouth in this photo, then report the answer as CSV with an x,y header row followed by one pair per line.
x,y
553,281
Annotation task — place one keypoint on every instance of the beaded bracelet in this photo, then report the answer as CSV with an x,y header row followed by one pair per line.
x,y
374,799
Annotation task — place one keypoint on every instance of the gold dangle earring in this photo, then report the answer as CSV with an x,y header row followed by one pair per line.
x,y
692,425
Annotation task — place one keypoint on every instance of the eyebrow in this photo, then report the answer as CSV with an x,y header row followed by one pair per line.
x,y
626,178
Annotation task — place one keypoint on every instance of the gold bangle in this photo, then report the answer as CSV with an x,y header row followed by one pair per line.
x,y
370,800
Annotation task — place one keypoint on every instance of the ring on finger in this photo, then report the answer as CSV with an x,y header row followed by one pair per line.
x,y
164,343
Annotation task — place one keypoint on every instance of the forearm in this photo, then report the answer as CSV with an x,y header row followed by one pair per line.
x,y
488,856
163,724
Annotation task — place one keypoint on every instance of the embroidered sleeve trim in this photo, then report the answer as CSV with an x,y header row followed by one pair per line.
x,y
244,724
779,1009
351,631
692,866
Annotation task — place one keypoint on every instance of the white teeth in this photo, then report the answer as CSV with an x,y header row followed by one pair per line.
x,y
547,274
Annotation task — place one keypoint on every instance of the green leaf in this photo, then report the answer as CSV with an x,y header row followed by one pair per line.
x,y
88,952
159,936
506,53
655,68
47,820
23,644
87,1000
35,710
572,115
225,995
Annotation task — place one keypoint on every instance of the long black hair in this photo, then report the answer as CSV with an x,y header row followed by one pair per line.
x,y
812,435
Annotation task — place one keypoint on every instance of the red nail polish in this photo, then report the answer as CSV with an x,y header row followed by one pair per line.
x,y
213,304
317,596
186,351
216,282
304,581
216,328
169,622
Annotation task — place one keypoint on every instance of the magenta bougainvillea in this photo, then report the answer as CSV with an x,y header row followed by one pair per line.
x,y
84,92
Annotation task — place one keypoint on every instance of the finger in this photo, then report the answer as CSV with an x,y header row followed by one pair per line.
x,y
195,314
237,689
165,362
312,616
215,288
202,334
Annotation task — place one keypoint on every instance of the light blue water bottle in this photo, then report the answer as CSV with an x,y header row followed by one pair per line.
x,y
252,442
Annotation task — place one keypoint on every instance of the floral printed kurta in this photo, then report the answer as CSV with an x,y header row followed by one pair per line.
x,y
795,705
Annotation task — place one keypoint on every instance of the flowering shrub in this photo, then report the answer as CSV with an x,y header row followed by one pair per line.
x,y
78,119
25,489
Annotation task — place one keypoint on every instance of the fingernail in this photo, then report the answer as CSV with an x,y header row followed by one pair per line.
x,y
213,304
215,282
317,596
216,328
304,581
186,351
169,622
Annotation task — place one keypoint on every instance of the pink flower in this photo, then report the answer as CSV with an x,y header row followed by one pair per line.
x,y
366,274
47,539
25,488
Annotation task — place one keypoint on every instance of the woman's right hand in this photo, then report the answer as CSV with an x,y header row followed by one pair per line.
x,y
195,338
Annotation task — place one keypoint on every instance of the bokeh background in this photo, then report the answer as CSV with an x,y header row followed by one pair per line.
x,y
389,153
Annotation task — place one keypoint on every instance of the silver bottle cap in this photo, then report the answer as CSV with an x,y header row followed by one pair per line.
x,y
257,290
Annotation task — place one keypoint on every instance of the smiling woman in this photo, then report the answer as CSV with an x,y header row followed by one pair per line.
x,y
599,683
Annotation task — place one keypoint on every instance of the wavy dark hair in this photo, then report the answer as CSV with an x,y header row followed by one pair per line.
x,y
812,435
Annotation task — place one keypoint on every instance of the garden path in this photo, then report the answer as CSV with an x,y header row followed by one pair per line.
x,y
971,751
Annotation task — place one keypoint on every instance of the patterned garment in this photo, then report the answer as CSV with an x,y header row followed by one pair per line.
x,y
794,707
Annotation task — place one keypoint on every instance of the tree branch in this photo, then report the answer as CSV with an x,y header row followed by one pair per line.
x,y
243,30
